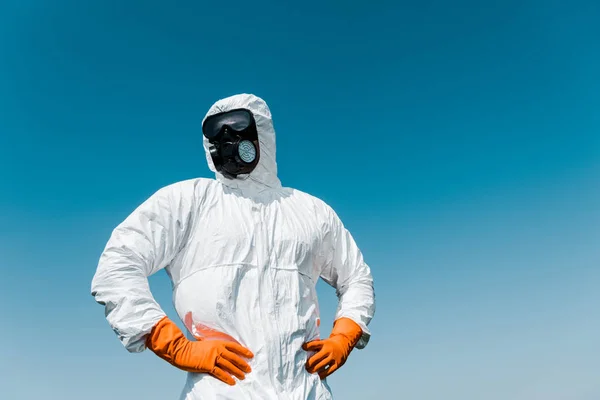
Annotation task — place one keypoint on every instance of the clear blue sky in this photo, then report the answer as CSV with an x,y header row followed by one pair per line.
x,y
459,142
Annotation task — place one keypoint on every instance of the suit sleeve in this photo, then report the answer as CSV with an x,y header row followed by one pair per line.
x,y
347,272
143,244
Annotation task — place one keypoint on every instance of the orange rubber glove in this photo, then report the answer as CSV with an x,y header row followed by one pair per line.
x,y
333,352
219,358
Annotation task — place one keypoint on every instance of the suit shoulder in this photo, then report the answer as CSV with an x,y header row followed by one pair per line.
x,y
316,202
188,186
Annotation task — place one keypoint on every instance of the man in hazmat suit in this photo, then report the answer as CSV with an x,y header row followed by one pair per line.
x,y
244,255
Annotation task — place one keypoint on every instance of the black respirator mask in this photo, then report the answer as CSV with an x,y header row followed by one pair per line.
x,y
233,142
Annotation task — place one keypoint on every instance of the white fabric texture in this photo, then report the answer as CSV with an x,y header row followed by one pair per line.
x,y
244,256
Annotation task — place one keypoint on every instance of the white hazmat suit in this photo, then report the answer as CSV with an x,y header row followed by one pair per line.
x,y
244,256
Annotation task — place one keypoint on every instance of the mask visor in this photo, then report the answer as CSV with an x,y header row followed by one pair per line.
x,y
238,120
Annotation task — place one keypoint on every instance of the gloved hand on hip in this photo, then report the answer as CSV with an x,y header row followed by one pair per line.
x,y
219,358
332,353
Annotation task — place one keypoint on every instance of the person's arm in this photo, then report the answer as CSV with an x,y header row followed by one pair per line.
x,y
144,243
347,272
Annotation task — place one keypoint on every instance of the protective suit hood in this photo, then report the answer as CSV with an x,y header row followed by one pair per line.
x,y
265,173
